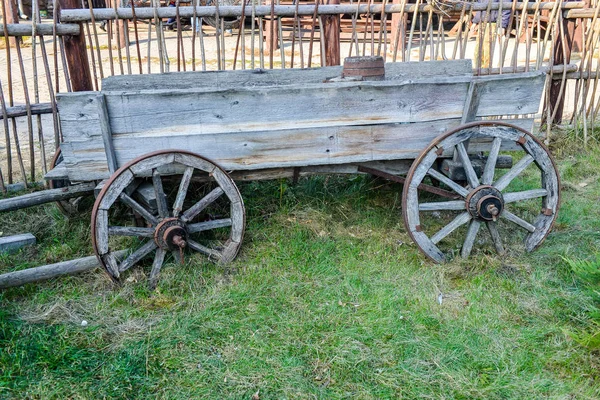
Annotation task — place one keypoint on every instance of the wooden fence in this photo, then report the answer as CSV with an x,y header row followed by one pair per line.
x,y
77,47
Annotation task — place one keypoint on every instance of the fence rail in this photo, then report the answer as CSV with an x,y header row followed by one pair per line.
x,y
82,44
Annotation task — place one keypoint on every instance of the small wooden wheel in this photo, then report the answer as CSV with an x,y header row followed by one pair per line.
x,y
185,202
502,200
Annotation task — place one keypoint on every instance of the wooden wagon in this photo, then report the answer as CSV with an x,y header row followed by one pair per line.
x,y
168,149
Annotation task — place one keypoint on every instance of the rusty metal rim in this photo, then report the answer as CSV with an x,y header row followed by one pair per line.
x,y
443,136
125,167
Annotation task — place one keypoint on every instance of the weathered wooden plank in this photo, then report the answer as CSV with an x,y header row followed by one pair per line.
x,y
261,150
116,188
202,112
182,191
495,235
470,238
46,196
208,225
137,255
275,77
201,204
58,172
524,195
159,193
130,231
101,236
9,244
45,272
457,222
104,123
518,220
510,94
137,207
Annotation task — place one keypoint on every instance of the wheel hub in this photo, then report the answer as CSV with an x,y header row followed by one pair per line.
x,y
485,203
171,234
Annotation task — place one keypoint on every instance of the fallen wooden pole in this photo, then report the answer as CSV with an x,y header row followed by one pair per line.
x,y
50,271
46,196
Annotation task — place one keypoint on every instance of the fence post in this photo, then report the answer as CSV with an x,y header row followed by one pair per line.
x,y
77,58
331,27
557,101
12,17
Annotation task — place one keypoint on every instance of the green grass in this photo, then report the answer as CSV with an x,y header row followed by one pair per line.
x,y
328,299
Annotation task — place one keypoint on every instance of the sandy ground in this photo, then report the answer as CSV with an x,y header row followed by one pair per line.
x,y
107,51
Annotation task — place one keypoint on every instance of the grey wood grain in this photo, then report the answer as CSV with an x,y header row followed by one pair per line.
x,y
104,121
9,244
201,204
524,195
470,238
518,220
137,255
275,77
457,222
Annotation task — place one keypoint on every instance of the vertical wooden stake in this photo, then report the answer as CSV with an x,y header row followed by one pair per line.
x,y
77,58
562,56
331,28
11,18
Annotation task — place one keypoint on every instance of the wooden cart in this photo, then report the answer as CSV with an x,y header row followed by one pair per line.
x,y
168,149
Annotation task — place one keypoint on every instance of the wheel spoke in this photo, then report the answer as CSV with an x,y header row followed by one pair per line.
x,y
183,188
524,195
159,258
208,225
138,208
517,220
519,167
137,255
470,238
202,249
451,227
442,205
449,182
202,204
161,199
130,231
468,167
488,171
493,229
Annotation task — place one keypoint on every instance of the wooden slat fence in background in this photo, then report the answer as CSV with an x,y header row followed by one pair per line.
x,y
79,44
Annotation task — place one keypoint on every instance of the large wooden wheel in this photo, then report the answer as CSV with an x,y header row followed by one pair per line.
x,y
186,202
518,205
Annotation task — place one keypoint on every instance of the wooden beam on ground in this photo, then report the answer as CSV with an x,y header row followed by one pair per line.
x,y
50,271
77,58
9,244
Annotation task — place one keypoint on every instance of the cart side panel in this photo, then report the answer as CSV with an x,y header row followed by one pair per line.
x,y
314,125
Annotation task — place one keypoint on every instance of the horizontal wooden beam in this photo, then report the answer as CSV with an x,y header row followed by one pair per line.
x,y
46,196
41,29
21,111
100,14
50,271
